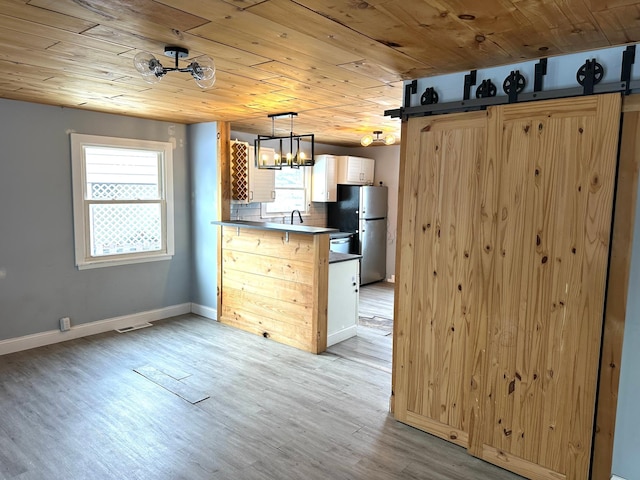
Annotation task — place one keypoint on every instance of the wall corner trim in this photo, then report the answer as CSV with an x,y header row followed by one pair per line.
x,y
26,342
204,311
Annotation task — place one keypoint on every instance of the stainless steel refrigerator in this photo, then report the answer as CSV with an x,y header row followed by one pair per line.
x,y
362,210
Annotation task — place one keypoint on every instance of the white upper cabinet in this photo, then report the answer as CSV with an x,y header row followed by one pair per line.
x,y
323,179
355,170
249,184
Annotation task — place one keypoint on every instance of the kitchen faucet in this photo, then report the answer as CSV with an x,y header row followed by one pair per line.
x,y
299,216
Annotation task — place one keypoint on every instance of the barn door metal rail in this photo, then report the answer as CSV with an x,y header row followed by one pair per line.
x,y
588,78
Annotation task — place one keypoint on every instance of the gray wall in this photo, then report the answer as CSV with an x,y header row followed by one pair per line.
x,y
626,461
203,154
39,282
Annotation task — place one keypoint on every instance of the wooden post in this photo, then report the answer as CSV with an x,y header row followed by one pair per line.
x,y
224,196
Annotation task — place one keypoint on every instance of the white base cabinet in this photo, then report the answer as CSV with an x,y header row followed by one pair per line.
x,y
342,306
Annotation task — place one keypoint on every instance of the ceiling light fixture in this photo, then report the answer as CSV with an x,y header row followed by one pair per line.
x,y
272,152
202,68
389,139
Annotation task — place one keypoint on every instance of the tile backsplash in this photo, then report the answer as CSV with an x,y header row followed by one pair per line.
x,y
317,216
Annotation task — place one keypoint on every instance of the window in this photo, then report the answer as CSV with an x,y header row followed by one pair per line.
x,y
122,200
292,192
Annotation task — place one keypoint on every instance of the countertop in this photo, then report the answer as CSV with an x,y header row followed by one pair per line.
x,y
281,227
335,257
339,234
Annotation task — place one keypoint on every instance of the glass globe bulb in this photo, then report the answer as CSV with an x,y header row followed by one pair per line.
x,y
203,70
204,84
389,139
366,140
149,67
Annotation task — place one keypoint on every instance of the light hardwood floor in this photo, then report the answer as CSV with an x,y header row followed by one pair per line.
x,y
373,344
78,410
376,300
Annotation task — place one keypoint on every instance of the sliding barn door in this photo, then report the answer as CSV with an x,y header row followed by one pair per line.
x,y
503,252
557,162
441,284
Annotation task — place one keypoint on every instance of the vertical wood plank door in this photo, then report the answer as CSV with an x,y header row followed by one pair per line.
x,y
440,283
557,172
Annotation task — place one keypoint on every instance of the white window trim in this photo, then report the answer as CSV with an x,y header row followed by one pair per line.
x,y
80,210
307,199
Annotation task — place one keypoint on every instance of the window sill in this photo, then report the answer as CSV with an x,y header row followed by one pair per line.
x,y
123,261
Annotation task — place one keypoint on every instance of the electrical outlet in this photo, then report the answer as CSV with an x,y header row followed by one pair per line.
x,y
65,324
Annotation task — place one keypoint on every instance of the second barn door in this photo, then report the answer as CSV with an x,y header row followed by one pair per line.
x,y
557,175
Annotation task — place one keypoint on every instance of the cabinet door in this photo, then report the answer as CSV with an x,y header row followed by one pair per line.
x,y
323,179
350,170
262,182
440,310
342,305
368,168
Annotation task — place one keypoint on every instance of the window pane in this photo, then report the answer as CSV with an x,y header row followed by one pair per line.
x,y
286,201
125,228
121,174
290,178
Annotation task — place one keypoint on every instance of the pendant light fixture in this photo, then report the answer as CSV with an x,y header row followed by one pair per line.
x,y
389,139
272,152
202,68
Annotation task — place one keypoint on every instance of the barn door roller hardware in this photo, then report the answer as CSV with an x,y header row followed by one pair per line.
x,y
513,85
429,97
486,89
589,77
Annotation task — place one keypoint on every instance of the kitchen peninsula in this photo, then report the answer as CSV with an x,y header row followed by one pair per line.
x,y
275,280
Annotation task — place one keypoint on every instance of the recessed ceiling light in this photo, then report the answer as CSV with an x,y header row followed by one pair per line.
x,y
466,16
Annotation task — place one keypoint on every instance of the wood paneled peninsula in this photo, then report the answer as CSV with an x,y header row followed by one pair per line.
x,y
274,281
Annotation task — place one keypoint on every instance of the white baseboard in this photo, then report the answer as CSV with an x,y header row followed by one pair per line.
x,y
615,477
18,344
341,335
203,311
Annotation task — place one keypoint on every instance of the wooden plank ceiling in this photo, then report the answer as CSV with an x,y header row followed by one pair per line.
x,y
338,63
